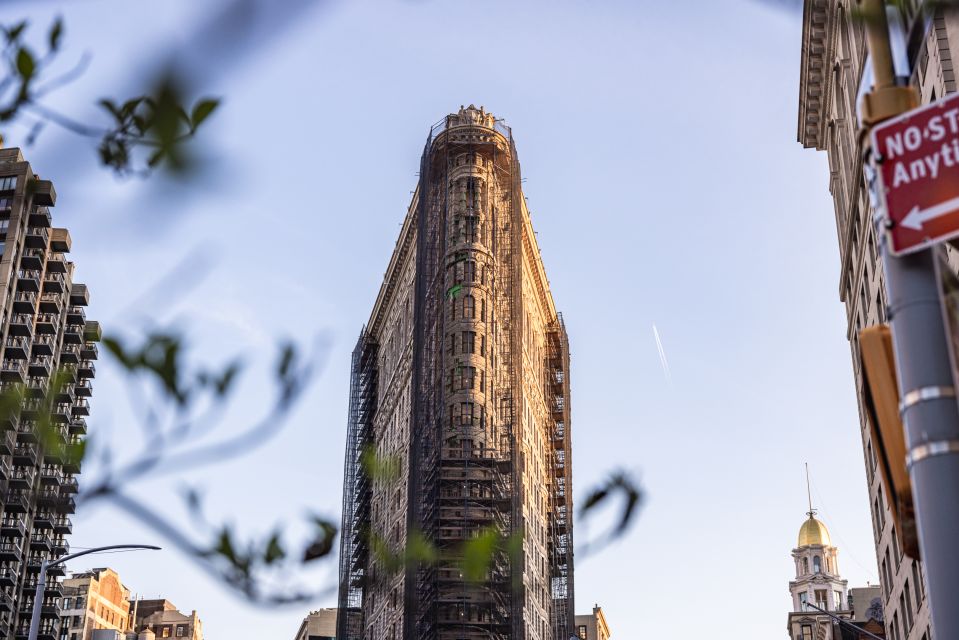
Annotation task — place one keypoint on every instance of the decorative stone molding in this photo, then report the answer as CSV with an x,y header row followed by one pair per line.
x,y
814,85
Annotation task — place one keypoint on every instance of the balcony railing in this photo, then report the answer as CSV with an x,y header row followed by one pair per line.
x,y
8,576
22,478
16,500
25,302
62,524
70,354
16,347
40,217
81,407
87,369
21,324
10,551
13,370
89,351
76,315
28,280
37,237
25,454
43,345
50,474
54,282
50,302
12,526
43,519
79,294
47,323
60,546
32,259
56,261
41,541
40,366
70,485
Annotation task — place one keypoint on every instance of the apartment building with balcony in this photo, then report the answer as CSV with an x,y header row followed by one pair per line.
x,y
45,336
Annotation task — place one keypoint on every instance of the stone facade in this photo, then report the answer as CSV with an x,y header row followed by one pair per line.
x,y
465,342
592,626
94,600
831,81
318,625
161,618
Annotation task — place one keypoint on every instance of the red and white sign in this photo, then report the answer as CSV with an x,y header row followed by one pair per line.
x,y
918,162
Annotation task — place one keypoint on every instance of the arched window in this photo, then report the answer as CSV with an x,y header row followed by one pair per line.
x,y
816,564
805,566
469,307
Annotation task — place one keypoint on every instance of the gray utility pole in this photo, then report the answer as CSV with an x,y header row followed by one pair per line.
x,y
42,579
928,407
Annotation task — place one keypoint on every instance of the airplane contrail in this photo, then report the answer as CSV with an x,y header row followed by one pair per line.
x,y
662,353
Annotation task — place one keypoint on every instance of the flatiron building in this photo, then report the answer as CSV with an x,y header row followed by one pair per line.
x,y
460,380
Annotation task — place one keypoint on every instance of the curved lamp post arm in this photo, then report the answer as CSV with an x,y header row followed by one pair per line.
x,y
99,549
42,578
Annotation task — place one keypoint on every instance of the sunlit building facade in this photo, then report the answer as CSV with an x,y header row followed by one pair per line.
x,y
94,600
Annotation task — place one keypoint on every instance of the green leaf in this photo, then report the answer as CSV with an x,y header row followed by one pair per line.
x,y
478,554
112,108
201,111
14,32
26,65
56,32
322,544
131,104
274,550
114,347
224,546
619,482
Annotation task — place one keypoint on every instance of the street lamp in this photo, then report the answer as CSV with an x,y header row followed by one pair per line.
x,y
42,578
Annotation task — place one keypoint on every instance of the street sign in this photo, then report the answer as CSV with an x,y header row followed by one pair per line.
x,y
917,155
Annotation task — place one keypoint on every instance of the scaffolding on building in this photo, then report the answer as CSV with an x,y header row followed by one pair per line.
x,y
464,473
458,491
357,490
561,478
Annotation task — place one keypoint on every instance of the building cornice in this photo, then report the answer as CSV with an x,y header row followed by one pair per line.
x,y
814,84
534,259
403,247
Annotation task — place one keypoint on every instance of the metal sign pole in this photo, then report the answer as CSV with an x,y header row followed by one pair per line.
x,y
929,409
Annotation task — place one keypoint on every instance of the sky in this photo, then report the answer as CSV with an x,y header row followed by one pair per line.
x,y
678,218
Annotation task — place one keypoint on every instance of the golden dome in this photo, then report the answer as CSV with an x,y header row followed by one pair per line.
x,y
814,532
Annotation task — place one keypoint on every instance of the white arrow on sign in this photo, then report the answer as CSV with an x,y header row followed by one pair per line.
x,y
916,217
